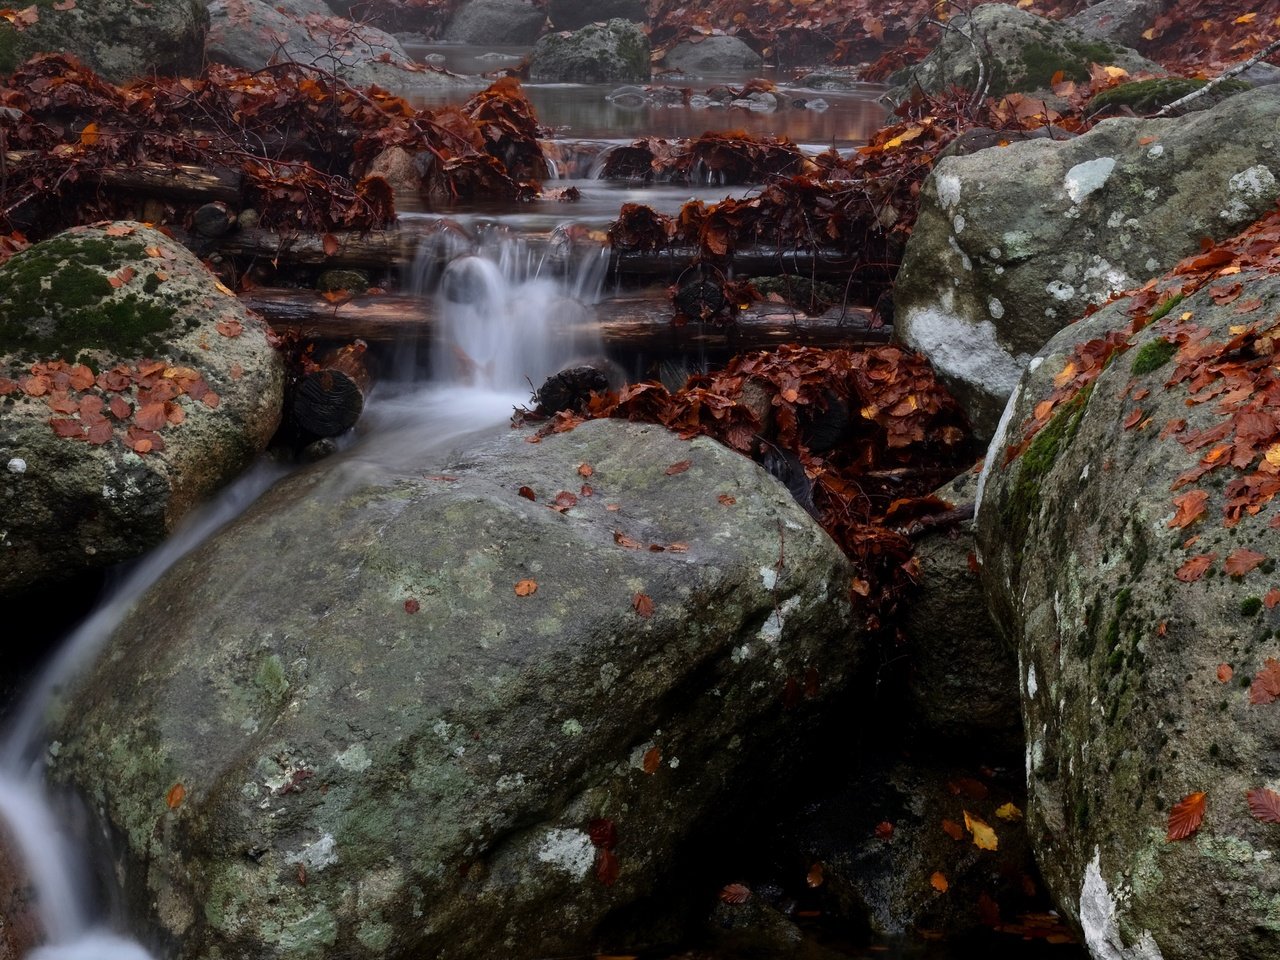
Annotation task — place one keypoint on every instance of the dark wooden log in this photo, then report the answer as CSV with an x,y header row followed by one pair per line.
x,y
174,181
641,323
328,401
377,248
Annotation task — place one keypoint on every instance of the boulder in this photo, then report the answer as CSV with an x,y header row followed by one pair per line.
x,y
963,686
119,39
132,385
21,929
1020,52
1136,657
712,56
575,14
515,22
599,52
251,34
378,707
1014,243
1118,21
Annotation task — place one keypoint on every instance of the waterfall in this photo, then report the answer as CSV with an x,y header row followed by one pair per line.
x,y
507,321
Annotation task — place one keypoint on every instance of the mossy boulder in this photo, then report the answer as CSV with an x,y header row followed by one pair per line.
x,y
1010,50
457,703
496,22
119,39
712,56
597,53
1014,242
1119,21
1148,96
1127,705
132,385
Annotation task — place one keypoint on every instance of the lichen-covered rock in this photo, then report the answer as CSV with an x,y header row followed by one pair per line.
x,y
132,385
119,39
1012,244
1127,659
712,56
599,52
963,674
251,34
1020,51
1118,21
496,21
575,14
435,700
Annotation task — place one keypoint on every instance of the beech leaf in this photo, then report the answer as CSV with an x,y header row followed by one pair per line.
x,y
1264,805
1186,816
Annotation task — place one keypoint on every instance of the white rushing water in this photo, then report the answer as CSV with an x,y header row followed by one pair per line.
x,y
503,327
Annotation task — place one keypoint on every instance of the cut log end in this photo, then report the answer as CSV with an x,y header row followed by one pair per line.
x,y
327,403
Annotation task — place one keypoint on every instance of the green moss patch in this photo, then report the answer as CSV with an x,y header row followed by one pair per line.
x,y
1023,499
1152,356
1148,96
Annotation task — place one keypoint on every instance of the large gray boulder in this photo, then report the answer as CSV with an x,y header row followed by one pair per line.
x,y
599,52
1010,50
1118,21
712,56
574,14
1135,666
436,701
132,385
496,21
251,34
118,39
1012,244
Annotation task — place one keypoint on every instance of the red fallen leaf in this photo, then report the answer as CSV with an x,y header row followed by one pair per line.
x,y
120,408
563,501
939,882
67,428
236,371
968,787
1190,507
1266,685
61,403
1195,568
412,606
331,245
622,540
81,377
1241,561
100,433
726,500
1224,295
1134,418
1225,673
974,566
679,467
678,547
1141,394
603,833
585,470
114,380
337,297
1264,805
587,490
526,588
229,328
7,386
150,416
884,830
177,793
174,413
607,867
124,276
816,876
735,893
118,230
65,5
527,493
1186,816
953,829
1248,306
652,760
211,400
35,386
642,603
1272,598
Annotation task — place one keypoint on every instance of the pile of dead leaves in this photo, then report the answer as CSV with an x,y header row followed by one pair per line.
x,y
859,436
728,158
296,137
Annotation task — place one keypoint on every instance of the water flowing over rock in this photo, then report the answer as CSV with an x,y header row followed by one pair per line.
x,y
378,707
132,385
712,56
1008,50
496,21
1140,622
119,39
1012,244
598,53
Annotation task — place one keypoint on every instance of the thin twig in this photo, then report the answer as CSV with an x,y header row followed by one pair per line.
x,y
1241,67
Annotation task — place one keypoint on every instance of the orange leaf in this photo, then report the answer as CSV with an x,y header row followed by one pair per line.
x,y
585,470
211,400
151,416
527,493
230,328
89,135
1190,506
884,830
953,829
939,882
1225,673
622,540
1264,805
331,245
1186,816
1272,598
1195,568
642,603
679,467
652,760
525,588
726,500
816,876
177,793
1266,685
1241,561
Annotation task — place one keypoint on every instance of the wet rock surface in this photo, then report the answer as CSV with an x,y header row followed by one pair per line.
x,y
597,53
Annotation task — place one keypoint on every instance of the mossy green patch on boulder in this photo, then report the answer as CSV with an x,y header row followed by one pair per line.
x,y
1148,96
599,52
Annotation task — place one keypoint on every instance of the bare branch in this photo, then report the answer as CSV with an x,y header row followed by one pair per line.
x,y
1169,108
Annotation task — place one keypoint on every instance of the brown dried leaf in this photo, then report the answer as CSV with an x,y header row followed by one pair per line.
x,y
1186,816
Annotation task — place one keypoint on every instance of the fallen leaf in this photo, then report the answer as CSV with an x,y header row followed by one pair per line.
x,y
527,493
652,760
563,501
1272,598
678,467
1191,506
1264,805
984,838
939,882
884,830
1186,816
642,603
1225,673
1265,687
607,867
586,490
726,500
229,328
412,606
735,893
585,470
177,793
1241,561
953,829
525,588
622,540
211,400
603,833
816,876
1195,568
89,135
331,245
1009,812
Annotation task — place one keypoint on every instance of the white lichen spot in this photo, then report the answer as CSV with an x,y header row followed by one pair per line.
x,y
570,851
571,728
1151,264
1089,177
17,465
509,782
1115,219
769,577
994,253
967,351
355,758
1034,365
1151,193
995,308
948,190
1084,474
771,631
741,654
957,223
1253,184
965,262
609,673
1156,151
1032,686
442,730
108,492
316,856
673,762
1098,920
998,270
1060,290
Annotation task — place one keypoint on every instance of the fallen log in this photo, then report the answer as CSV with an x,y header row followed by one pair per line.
x,y
174,181
329,400
641,323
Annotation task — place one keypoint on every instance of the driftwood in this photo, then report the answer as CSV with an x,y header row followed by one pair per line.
x,y
328,401
636,324
173,181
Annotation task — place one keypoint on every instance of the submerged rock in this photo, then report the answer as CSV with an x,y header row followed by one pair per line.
x,y
395,705
132,385
1013,244
1135,659
597,53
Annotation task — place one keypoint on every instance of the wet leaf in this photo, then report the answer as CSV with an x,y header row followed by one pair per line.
x,y
1186,816
983,836
1241,561
953,829
331,245
526,588
816,876
607,867
412,606
735,893
679,467
939,882
1264,805
652,760
642,603
527,493
177,793
603,833
1010,812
